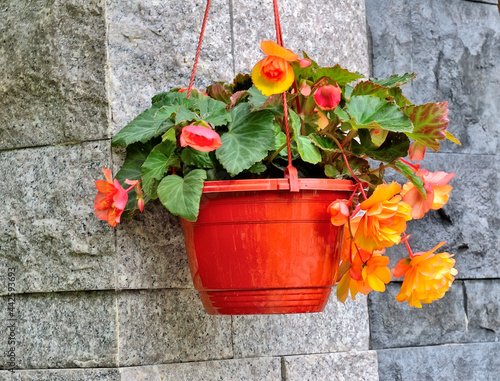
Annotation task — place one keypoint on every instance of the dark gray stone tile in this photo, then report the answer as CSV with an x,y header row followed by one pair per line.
x,y
152,48
483,309
329,32
340,327
53,72
452,362
352,366
60,330
62,375
49,232
164,326
262,369
395,324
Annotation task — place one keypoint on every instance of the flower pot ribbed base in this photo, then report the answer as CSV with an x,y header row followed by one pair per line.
x,y
258,248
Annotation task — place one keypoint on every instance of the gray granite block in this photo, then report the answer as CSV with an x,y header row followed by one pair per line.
x,y
48,232
444,362
151,251
52,65
454,49
62,375
483,309
152,46
59,330
395,324
352,366
469,221
340,327
165,326
262,369
330,32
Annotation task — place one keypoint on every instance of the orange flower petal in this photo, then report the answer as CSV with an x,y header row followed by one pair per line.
x,y
271,48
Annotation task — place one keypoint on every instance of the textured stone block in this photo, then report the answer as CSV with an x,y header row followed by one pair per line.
x,y
444,362
353,366
152,46
454,49
340,327
468,222
483,309
151,252
170,326
329,32
52,65
60,330
262,369
62,375
49,233
395,324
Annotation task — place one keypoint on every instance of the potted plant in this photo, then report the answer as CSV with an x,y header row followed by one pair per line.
x,y
278,178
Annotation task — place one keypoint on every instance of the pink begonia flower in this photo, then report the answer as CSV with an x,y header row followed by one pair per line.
x,y
327,97
200,138
110,200
140,196
339,211
436,188
305,62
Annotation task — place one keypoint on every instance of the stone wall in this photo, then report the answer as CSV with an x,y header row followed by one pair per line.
x,y
454,46
95,303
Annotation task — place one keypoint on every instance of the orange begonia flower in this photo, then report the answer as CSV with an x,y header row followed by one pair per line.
x,y
384,218
339,211
375,273
110,200
437,192
274,74
427,276
200,138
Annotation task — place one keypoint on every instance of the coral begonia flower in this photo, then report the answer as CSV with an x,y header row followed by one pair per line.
x,y
437,192
427,277
111,199
416,151
200,138
305,62
274,74
384,218
327,97
339,212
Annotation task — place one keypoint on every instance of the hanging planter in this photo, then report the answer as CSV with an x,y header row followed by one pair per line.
x,y
273,176
258,248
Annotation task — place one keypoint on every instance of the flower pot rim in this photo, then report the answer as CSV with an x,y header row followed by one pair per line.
x,y
276,184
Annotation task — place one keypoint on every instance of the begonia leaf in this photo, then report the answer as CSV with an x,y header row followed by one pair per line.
x,y
338,74
394,80
213,111
156,165
407,171
395,146
430,121
193,157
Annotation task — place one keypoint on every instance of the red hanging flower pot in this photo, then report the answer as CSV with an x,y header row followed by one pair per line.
x,y
258,248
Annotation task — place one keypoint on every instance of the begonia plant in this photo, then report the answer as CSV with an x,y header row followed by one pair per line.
x,y
342,126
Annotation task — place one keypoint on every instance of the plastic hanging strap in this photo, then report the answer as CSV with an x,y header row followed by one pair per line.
x,y
290,171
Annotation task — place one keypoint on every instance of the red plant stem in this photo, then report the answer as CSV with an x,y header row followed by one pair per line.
x,y
299,111
409,164
410,252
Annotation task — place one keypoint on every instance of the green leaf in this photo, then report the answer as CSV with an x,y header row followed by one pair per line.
x,y
331,171
395,146
394,80
213,111
430,121
250,137
218,92
183,114
279,137
195,158
397,94
161,118
406,171
325,143
156,165
168,97
450,137
170,135
256,99
181,196
137,154
307,150
370,88
348,91
338,74
341,114
373,112
257,168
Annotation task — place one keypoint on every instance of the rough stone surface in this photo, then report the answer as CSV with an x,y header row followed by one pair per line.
x,y
60,330
444,362
453,46
330,32
483,309
340,327
152,46
52,65
262,369
151,252
353,366
49,233
62,375
468,222
395,324
164,326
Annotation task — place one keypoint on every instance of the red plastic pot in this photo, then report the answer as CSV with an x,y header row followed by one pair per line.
x,y
258,248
